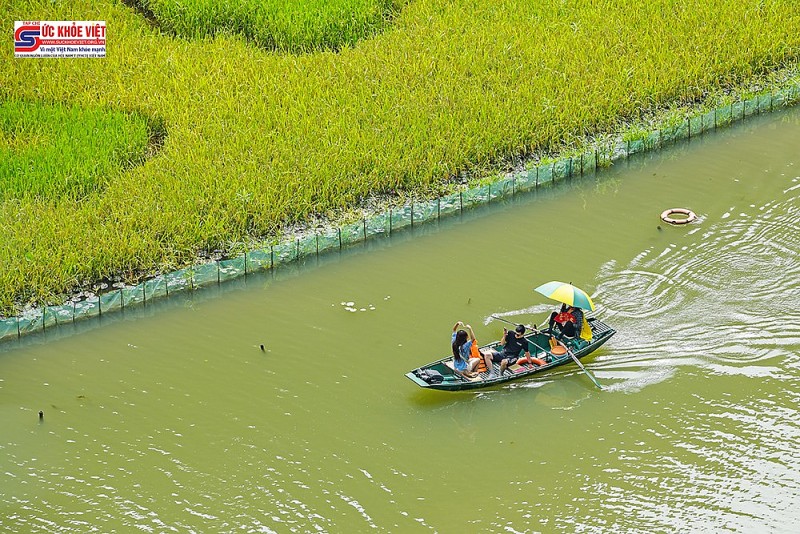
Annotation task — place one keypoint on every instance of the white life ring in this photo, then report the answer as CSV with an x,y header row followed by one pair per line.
x,y
666,216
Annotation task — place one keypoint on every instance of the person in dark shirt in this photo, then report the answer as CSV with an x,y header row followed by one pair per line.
x,y
513,343
578,314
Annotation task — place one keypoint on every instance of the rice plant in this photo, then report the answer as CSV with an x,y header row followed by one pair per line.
x,y
57,151
259,139
299,26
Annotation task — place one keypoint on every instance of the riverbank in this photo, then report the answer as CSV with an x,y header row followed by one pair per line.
x,y
383,217
258,143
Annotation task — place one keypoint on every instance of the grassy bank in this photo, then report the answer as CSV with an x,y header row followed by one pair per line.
x,y
257,139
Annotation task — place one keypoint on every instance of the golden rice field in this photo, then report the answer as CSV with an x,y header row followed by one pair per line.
x,y
257,138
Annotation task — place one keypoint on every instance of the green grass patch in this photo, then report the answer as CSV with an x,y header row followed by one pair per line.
x,y
259,140
297,26
52,151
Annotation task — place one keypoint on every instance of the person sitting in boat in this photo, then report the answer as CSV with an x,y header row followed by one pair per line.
x,y
572,325
513,343
462,343
566,322
579,321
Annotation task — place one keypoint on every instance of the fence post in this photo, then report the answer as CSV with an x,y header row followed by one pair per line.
x,y
412,214
390,220
364,219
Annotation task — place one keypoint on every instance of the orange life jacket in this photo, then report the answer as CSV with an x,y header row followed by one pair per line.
x,y
476,353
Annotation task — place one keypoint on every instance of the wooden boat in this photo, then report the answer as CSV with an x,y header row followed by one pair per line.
x,y
538,341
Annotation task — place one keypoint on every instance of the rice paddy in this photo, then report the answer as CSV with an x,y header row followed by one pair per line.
x,y
299,26
54,152
257,139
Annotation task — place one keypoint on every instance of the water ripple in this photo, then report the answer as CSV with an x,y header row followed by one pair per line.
x,y
726,295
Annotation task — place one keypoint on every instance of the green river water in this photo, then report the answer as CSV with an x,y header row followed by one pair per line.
x,y
170,418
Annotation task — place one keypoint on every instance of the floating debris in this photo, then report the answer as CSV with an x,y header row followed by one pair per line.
x,y
351,307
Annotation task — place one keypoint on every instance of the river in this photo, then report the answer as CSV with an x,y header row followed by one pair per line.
x,y
171,418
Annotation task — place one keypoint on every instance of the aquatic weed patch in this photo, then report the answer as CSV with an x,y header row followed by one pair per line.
x,y
52,151
298,26
260,140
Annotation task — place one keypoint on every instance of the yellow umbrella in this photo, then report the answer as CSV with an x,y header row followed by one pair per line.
x,y
566,293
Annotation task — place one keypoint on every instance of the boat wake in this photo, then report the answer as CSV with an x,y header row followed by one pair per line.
x,y
723,296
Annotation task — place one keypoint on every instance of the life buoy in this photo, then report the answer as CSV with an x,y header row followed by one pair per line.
x,y
531,360
690,216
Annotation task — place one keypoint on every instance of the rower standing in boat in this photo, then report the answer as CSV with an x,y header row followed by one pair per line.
x,y
514,343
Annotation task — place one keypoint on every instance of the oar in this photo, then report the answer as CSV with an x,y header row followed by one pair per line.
x,y
532,328
596,383
515,324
